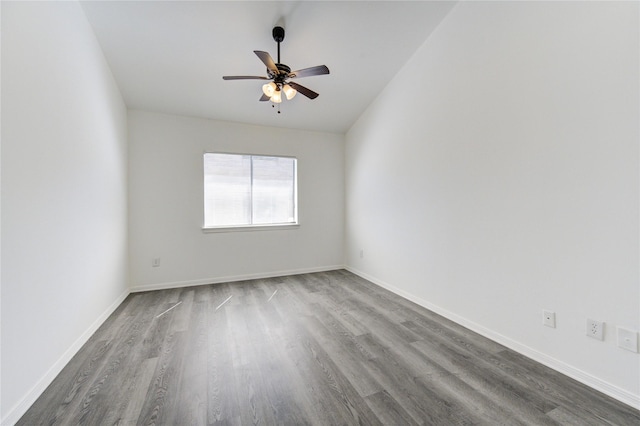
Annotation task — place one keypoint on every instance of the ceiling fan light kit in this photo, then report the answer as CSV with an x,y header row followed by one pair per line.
x,y
269,89
289,91
279,74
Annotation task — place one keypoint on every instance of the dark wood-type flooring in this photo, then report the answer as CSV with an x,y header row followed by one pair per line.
x,y
322,349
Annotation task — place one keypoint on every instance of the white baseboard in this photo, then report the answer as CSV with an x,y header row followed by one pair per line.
x,y
18,410
600,385
227,279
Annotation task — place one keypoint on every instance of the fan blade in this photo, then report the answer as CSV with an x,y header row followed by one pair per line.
x,y
267,60
244,77
308,72
307,92
264,98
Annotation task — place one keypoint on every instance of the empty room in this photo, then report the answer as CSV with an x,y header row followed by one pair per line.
x,y
320,212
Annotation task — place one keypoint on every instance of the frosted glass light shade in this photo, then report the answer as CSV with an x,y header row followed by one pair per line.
x,y
289,92
269,89
276,98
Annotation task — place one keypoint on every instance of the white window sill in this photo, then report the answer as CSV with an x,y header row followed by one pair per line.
x,y
244,228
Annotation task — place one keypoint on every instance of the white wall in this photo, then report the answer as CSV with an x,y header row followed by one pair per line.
x,y
166,203
497,175
64,203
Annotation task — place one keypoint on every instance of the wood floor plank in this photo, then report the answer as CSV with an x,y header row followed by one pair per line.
x,y
398,368
132,375
468,362
564,416
192,390
300,369
327,348
181,311
488,382
138,392
576,397
251,395
338,391
284,404
124,374
222,399
343,352
476,405
267,395
162,398
388,410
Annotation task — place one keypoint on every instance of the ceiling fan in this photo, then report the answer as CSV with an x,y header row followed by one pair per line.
x,y
280,74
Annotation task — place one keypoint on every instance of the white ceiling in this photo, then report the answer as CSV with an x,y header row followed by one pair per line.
x,y
170,56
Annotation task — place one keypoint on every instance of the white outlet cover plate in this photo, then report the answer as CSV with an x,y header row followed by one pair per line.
x,y
549,318
595,329
628,339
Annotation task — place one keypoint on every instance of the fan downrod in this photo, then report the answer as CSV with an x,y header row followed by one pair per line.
x,y
278,36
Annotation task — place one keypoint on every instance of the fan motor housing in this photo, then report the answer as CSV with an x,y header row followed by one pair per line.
x,y
285,71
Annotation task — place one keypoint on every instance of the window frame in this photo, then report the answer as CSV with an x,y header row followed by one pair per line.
x,y
252,227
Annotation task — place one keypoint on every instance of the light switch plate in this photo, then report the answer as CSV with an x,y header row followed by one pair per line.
x,y
549,318
628,339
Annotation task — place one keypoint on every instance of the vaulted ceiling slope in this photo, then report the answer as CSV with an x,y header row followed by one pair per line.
x,y
170,56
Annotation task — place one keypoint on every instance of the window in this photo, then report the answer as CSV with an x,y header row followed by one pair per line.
x,y
249,190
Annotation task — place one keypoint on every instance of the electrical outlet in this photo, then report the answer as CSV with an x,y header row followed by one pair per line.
x,y
549,318
628,339
595,329
155,262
